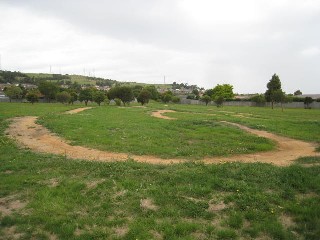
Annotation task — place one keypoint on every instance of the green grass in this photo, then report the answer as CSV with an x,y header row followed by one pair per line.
x,y
69,199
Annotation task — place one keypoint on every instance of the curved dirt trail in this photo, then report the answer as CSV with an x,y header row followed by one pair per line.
x,y
29,134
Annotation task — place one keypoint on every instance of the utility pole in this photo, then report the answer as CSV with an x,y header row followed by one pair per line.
x,y
164,79
0,63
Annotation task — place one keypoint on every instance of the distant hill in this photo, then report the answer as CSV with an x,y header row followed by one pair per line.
x,y
66,79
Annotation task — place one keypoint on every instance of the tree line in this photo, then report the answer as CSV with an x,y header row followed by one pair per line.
x,y
120,94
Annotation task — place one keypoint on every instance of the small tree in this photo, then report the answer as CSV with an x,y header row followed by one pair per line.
x,y
307,102
219,101
85,95
144,96
63,97
13,92
98,97
206,99
74,96
49,90
33,96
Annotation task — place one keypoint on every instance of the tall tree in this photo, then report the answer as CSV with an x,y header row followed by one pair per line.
x,y
273,85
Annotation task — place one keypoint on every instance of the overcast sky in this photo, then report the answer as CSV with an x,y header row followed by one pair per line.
x,y
203,42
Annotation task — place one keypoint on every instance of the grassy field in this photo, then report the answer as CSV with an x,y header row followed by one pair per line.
x,y
134,131
49,197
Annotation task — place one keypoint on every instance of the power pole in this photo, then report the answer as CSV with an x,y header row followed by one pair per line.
x,y
164,79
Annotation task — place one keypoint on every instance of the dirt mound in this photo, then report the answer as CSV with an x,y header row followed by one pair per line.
x,y
29,134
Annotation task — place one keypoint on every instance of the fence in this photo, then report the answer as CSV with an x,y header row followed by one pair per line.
x,y
314,105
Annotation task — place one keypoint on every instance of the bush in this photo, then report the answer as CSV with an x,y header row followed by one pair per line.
x,y
106,101
175,99
144,96
206,99
308,101
219,101
63,97
117,101
260,99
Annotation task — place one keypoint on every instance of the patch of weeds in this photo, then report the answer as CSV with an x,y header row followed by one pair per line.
x,y
235,220
226,234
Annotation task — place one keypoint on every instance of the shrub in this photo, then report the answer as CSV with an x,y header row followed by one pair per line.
x,y
308,101
117,101
63,97
144,96
219,101
175,99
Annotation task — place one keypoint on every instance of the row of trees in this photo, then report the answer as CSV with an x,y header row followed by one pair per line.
x,y
120,94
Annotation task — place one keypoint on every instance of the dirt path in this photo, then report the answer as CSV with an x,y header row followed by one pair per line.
x,y
29,134
77,110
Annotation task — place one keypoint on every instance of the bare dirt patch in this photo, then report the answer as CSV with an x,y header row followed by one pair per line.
x,y
77,110
29,134
53,182
11,233
94,183
156,235
121,231
216,207
10,204
287,221
158,114
147,204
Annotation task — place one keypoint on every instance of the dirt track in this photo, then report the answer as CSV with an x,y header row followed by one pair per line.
x,y
29,134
